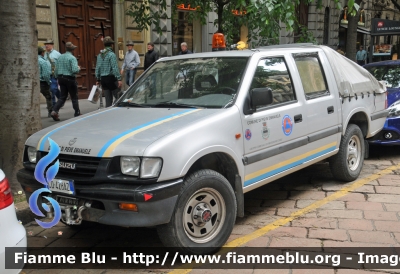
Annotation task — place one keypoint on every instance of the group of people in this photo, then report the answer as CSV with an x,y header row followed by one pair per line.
x,y
58,72
108,74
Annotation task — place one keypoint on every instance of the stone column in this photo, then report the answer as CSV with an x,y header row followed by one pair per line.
x,y
163,42
118,16
54,29
46,21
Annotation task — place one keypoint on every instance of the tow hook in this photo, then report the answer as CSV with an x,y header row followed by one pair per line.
x,y
72,215
49,213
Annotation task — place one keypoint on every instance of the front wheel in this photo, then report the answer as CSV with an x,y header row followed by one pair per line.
x,y
346,165
204,215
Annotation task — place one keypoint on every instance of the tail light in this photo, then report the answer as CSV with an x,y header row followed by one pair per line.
x,y
218,42
6,198
386,103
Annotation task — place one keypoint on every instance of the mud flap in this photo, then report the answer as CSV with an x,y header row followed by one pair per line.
x,y
239,196
366,145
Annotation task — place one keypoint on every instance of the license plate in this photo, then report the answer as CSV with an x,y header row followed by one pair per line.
x,y
67,200
62,186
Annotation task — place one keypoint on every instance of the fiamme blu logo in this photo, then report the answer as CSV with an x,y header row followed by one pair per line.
x,y
44,173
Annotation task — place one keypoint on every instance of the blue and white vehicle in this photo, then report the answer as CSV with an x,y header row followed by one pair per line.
x,y
179,152
389,73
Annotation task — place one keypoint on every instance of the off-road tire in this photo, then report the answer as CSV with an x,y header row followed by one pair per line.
x,y
346,165
203,190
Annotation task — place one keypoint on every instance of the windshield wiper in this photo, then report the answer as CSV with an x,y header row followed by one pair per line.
x,y
172,104
131,104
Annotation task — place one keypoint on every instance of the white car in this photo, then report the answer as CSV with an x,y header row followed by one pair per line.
x,y
12,233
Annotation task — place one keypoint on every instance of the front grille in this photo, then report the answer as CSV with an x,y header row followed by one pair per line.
x,y
85,166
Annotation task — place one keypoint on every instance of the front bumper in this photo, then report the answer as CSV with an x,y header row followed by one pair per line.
x,y
389,135
105,198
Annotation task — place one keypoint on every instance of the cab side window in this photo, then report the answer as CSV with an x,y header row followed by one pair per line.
x,y
312,76
273,73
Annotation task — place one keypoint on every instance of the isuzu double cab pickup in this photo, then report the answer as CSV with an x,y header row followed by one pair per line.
x,y
194,133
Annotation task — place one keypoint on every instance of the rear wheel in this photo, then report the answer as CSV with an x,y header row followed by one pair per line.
x,y
204,215
346,165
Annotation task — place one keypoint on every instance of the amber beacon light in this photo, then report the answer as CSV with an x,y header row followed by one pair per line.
x,y
218,42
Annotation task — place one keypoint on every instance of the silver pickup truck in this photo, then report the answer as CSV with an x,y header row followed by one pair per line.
x,y
194,133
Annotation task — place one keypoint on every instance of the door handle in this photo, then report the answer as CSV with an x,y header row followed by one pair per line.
x,y
330,110
298,118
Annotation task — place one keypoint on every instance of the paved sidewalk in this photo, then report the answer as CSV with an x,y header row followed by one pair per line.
x,y
67,112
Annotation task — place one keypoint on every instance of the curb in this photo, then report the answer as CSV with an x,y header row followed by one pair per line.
x,y
24,213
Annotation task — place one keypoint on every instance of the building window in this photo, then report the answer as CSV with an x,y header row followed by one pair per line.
x,y
326,26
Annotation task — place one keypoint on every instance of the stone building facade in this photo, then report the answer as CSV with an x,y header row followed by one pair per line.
x,y
79,22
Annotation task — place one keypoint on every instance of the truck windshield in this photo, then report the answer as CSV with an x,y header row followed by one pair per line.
x,y
196,82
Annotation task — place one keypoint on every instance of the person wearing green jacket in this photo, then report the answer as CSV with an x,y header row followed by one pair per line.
x,y
107,71
66,70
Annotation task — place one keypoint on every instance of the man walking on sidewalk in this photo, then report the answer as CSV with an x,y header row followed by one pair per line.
x,y
66,70
130,64
361,56
107,71
52,56
44,74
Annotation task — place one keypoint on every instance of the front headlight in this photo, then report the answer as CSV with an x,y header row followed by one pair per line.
x,y
32,154
150,167
394,109
130,165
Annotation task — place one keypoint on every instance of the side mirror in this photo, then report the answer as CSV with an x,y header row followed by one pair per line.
x,y
260,97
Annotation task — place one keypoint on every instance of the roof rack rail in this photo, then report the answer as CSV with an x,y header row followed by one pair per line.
x,y
287,45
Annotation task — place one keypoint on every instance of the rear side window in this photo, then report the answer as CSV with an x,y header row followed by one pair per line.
x,y
273,73
312,76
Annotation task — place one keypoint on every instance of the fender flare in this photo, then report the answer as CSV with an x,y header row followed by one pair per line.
x,y
351,114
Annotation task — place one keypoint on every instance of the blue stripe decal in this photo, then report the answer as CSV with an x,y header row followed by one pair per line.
x,y
278,170
44,139
110,142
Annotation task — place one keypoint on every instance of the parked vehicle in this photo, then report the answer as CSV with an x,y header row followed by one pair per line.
x,y
179,152
388,72
12,233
